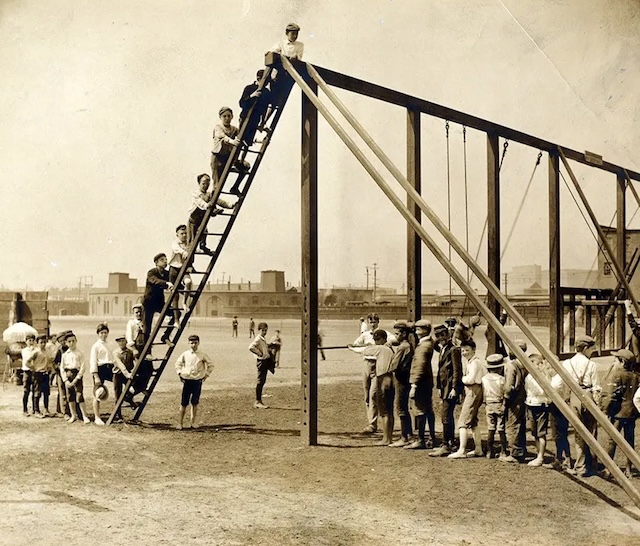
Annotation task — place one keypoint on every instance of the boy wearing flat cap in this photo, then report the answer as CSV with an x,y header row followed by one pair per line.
x,y
583,370
153,300
401,365
264,362
623,384
421,392
449,383
290,47
225,138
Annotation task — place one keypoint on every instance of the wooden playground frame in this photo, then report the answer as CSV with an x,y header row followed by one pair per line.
x,y
309,79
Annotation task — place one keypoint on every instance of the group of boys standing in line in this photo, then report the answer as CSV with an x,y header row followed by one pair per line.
x,y
398,377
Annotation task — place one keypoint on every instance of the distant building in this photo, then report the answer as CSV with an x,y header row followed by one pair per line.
x,y
269,297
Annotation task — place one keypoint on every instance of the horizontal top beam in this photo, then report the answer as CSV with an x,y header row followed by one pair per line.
x,y
401,99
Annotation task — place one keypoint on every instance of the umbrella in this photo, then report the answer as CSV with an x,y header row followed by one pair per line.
x,y
18,332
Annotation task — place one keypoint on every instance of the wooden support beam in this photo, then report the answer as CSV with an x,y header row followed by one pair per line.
x,y
392,96
621,251
605,244
414,245
493,229
556,325
309,241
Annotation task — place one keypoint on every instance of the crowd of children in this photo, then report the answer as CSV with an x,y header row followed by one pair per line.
x,y
398,368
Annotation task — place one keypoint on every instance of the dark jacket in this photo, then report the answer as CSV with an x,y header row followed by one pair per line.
x,y
450,370
622,385
154,289
421,371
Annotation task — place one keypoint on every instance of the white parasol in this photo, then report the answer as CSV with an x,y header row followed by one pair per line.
x,y
18,332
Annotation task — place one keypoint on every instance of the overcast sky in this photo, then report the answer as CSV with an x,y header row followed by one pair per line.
x,y
107,110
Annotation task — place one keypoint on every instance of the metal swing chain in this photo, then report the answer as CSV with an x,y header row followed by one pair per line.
x,y
524,197
446,127
466,195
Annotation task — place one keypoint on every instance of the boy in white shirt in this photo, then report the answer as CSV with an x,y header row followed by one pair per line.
x,y
382,354
538,404
72,368
494,398
193,368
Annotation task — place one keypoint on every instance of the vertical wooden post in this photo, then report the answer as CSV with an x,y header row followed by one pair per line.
x,y
555,296
309,200
621,251
414,244
493,232
572,321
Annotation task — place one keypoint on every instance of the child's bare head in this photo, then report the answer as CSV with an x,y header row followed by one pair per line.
x,y
203,182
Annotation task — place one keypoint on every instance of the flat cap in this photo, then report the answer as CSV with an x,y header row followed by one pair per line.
x,y
440,328
224,109
423,323
121,338
136,306
585,341
158,256
626,354
402,325
292,26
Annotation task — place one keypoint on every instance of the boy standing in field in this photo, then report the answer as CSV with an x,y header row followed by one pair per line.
x,y
401,365
123,360
538,407
274,346
468,421
193,368
62,406
101,361
27,375
421,393
72,370
264,361
42,366
494,398
382,355
619,406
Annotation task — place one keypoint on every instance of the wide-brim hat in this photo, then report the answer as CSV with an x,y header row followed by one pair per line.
x,y
100,392
494,361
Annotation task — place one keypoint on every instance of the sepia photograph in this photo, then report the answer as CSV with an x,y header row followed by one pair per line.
x,y
344,272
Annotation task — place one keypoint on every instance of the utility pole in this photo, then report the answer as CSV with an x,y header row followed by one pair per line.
x,y
375,270
367,268
505,282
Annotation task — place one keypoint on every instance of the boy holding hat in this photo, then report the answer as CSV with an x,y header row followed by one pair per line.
x,y
225,138
494,399
264,362
623,384
193,368
153,300
421,392
583,370
449,384
72,368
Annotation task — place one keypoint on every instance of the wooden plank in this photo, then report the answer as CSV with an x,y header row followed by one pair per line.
x,y
309,241
556,319
493,229
385,94
414,244
621,251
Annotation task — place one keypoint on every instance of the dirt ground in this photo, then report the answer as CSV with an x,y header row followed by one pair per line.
x,y
244,477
